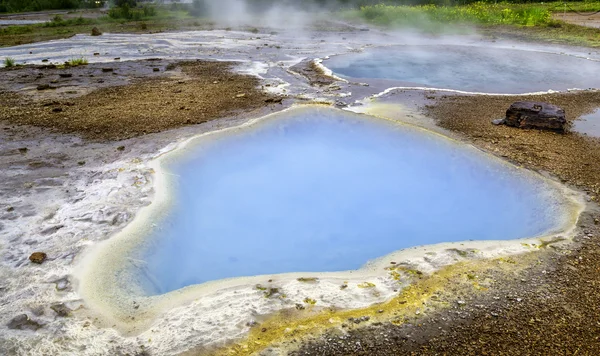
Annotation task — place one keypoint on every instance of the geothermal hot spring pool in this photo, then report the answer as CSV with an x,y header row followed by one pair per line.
x,y
323,190
469,68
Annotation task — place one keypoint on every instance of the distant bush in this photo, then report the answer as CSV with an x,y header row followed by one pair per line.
x,y
198,8
58,21
128,13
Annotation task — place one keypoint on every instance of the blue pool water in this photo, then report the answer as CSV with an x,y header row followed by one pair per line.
x,y
324,190
467,68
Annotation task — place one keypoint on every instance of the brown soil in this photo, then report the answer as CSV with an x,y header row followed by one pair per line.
x,y
551,307
573,158
203,91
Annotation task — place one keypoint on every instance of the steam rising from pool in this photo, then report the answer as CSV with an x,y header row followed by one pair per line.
x,y
469,68
322,190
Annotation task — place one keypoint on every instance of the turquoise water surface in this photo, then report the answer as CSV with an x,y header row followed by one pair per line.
x,y
324,190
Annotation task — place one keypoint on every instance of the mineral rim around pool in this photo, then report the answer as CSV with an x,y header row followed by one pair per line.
x,y
469,68
316,190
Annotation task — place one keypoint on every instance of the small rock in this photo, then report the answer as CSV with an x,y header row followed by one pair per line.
x,y
96,54
156,69
117,58
22,322
263,330
9,209
61,309
44,87
38,257
44,60
96,32
461,302
240,95
498,122
57,110
23,150
105,70
121,148
65,75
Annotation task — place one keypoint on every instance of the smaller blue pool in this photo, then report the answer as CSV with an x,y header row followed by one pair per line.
x,y
588,124
319,190
469,68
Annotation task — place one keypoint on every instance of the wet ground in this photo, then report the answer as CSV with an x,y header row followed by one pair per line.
x,y
62,193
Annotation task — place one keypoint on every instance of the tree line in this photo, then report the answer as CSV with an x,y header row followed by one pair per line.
x,y
38,5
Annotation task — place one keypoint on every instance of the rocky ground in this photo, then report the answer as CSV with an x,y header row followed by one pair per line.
x,y
115,102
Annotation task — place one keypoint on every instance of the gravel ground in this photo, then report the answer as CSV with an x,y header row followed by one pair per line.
x,y
118,106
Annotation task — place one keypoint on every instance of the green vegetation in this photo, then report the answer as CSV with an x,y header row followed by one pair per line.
x,y
77,61
128,13
532,20
58,21
9,62
38,5
433,16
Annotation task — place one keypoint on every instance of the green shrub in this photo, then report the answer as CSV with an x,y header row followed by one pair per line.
x,y
9,62
77,61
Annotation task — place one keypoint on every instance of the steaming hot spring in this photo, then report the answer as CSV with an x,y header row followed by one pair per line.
x,y
321,190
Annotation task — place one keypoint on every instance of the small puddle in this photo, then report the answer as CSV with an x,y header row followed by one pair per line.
x,y
469,68
588,124
322,190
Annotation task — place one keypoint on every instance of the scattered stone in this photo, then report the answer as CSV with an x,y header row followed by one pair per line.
x,y
106,70
57,110
61,309
44,61
117,58
96,32
240,95
263,330
498,122
156,69
65,75
536,115
44,87
22,322
23,150
307,279
121,148
276,100
38,257
9,209
96,54
81,163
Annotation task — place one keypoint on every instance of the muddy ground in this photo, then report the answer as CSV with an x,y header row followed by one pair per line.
x,y
118,101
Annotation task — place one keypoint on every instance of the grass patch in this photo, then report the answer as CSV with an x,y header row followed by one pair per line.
x,y
432,16
526,21
9,62
74,62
